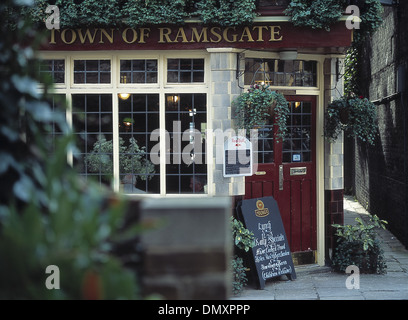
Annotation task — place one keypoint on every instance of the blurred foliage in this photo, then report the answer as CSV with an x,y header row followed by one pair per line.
x,y
48,215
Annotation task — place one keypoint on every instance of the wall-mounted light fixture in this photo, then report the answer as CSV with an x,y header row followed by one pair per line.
x,y
123,96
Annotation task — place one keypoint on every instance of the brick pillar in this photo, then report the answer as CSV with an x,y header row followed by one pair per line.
x,y
224,89
334,158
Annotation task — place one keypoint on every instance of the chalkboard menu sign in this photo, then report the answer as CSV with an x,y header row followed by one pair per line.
x,y
237,157
271,253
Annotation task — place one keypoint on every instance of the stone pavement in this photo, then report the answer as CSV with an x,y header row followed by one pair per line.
x,y
320,283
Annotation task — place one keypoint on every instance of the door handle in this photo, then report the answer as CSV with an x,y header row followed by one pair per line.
x,y
260,173
281,177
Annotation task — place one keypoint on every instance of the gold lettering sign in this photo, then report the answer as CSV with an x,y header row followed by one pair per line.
x,y
163,35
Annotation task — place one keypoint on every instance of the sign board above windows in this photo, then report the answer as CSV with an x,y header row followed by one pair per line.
x,y
190,36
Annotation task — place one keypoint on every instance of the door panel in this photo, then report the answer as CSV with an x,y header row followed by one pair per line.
x,y
296,192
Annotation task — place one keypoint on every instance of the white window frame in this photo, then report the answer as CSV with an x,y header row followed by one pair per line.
x,y
162,87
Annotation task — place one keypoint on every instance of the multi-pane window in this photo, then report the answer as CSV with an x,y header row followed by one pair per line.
x,y
138,71
119,133
287,73
138,118
58,124
54,68
92,71
93,127
185,70
265,144
297,143
186,122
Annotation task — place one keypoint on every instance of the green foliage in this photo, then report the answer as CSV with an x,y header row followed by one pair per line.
x,y
25,114
320,14
317,14
48,215
141,12
254,108
351,74
75,232
134,13
132,158
239,279
226,12
357,245
371,19
243,240
357,117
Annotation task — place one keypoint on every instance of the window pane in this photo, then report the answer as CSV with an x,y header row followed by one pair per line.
x,y
54,68
185,70
297,143
92,71
92,121
287,73
138,71
139,169
53,130
186,123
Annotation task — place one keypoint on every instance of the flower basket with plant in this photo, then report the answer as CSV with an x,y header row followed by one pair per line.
x,y
358,245
356,116
257,105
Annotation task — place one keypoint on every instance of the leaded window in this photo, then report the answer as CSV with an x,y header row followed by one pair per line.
x,y
92,71
185,70
55,68
286,73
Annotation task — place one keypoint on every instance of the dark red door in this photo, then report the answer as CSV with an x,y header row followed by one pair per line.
x,y
287,171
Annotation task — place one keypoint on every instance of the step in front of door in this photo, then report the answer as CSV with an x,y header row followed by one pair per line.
x,y
304,257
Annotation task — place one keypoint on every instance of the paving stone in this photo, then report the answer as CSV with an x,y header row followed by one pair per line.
x,y
317,282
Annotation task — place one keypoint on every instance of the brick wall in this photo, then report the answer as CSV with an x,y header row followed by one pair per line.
x,y
378,176
188,256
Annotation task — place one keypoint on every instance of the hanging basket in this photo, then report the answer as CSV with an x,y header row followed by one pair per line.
x,y
357,117
257,105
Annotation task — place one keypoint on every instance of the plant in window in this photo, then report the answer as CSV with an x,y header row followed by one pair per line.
x,y
132,159
257,105
357,245
357,117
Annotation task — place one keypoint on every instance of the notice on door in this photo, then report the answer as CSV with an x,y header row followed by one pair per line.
x,y
271,253
237,157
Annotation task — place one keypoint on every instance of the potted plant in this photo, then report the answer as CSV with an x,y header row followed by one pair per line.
x,y
132,159
357,245
356,116
257,105
243,241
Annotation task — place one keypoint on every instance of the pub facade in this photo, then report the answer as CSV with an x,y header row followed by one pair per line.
x,y
152,108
